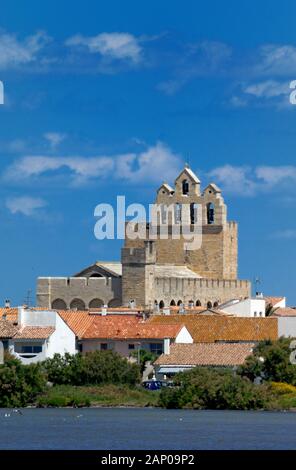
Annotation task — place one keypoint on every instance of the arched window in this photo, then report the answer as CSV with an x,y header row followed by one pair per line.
x,y
77,304
193,213
179,302
161,304
216,304
191,304
209,305
173,303
59,304
178,213
114,303
96,303
198,303
185,187
210,213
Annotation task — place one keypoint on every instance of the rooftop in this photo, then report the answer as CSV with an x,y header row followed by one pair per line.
x,y
211,328
206,354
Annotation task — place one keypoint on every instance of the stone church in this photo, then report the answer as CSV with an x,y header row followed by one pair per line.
x,y
159,272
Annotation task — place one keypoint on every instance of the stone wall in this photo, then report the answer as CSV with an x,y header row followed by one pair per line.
x,y
202,290
69,289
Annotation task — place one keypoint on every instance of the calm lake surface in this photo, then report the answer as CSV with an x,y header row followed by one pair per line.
x,y
122,428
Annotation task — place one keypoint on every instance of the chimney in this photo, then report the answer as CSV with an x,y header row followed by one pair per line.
x,y
104,310
166,345
166,311
131,303
7,303
181,309
259,295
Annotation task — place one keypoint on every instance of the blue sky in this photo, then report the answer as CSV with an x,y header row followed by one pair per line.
x,y
108,98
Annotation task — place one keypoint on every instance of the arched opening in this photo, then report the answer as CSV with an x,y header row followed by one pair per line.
x,y
96,303
178,213
215,304
185,187
179,303
191,303
95,275
161,304
209,305
193,213
210,213
77,304
173,303
114,303
198,303
59,304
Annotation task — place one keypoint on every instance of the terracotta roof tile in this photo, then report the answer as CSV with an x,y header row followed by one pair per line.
x,y
34,332
7,329
284,312
206,354
77,320
127,327
273,300
211,328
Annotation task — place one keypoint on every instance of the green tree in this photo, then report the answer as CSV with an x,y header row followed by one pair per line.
x,y
271,360
20,384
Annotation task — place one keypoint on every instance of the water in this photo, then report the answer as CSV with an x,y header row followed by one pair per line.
x,y
122,428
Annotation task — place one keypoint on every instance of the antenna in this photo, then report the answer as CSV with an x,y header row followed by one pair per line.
x,y
28,298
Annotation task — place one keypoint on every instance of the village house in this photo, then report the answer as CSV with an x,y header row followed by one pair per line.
x,y
182,357
35,335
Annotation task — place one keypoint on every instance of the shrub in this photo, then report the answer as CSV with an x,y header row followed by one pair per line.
x,y
19,384
98,367
282,388
204,388
271,360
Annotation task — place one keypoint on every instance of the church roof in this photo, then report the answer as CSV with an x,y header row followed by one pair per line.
x,y
214,187
190,174
171,270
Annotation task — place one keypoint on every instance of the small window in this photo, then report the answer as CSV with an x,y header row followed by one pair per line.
x,y
185,187
104,346
210,213
178,213
260,314
29,349
131,346
156,348
255,314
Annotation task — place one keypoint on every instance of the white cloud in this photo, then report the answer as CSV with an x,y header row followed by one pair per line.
x,y
276,59
14,52
155,162
247,181
121,46
268,89
287,234
235,179
25,205
54,138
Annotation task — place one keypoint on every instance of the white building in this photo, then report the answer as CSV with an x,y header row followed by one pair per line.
x,y
41,334
251,307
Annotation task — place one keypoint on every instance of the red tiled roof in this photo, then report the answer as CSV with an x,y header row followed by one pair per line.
x,y
7,329
211,328
206,354
127,327
273,300
284,312
34,332
77,320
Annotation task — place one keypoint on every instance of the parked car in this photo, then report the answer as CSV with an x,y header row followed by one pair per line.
x,y
152,384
